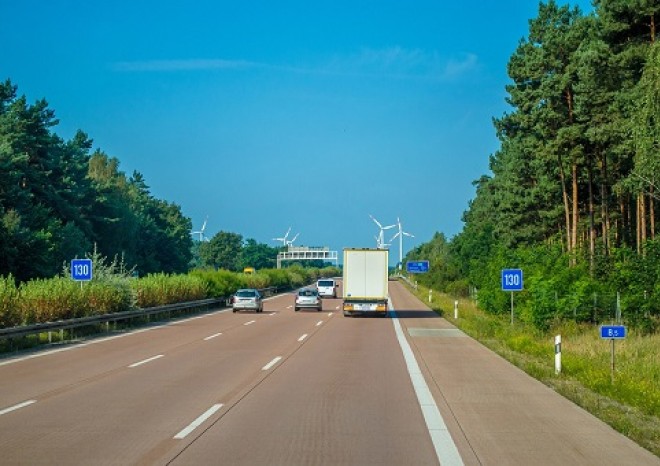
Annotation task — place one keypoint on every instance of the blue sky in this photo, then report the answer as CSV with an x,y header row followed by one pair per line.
x,y
264,115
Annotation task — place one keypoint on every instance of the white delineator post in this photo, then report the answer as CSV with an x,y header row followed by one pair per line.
x,y
430,295
455,309
557,354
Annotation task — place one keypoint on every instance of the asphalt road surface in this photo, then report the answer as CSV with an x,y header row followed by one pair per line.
x,y
292,388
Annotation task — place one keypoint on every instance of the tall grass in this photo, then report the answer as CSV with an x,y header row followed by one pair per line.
x,y
630,403
112,289
159,289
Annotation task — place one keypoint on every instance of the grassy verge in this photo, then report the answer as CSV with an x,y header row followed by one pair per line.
x,y
630,403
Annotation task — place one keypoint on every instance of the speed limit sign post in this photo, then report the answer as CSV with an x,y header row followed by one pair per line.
x,y
81,270
512,280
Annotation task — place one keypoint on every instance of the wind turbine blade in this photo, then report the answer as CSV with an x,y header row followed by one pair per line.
x,y
376,221
388,227
395,236
408,234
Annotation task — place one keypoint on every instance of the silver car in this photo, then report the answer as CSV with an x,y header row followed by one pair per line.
x,y
247,299
308,298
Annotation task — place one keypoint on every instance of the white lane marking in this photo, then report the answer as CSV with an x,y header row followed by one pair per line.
x,y
337,307
302,337
319,323
251,322
330,314
18,406
210,337
197,422
104,339
289,307
272,363
272,314
444,445
139,363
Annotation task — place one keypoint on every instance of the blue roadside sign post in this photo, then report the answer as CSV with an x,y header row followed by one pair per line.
x,y
512,280
417,266
81,270
612,333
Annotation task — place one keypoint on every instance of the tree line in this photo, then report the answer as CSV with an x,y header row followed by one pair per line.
x,y
573,190
59,198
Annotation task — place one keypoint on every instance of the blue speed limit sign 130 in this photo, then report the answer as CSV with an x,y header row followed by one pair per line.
x,y
512,280
81,269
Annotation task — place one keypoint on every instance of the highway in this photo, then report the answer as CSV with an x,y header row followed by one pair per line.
x,y
292,388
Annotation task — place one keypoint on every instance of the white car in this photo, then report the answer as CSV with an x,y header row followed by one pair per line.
x,y
307,298
327,287
247,299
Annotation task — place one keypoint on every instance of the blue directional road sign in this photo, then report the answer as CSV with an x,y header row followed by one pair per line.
x,y
417,266
613,332
81,269
512,280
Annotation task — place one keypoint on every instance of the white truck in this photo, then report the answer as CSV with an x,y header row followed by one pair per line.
x,y
365,289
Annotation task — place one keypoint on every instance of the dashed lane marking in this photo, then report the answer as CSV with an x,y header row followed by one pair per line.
x,y
145,361
272,363
197,422
18,406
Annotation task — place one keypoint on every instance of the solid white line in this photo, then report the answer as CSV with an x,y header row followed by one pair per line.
x,y
444,445
210,337
197,422
18,406
319,323
146,361
251,322
302,337
271,364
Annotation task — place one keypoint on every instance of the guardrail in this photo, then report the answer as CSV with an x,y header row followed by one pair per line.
x,y
69,324
16,332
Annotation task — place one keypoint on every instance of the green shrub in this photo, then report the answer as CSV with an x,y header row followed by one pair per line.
x,y
10,315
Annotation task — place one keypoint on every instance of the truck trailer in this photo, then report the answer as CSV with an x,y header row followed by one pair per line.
x,y
365,289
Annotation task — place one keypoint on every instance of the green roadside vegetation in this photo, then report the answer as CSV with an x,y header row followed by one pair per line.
x,y
630,404
114,289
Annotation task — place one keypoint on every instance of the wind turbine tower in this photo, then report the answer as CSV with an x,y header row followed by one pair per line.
x,y
380,239
400,234
201,231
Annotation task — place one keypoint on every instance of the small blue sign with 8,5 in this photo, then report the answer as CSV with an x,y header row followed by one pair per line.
x,y
81,269
417,266
613,332
512,280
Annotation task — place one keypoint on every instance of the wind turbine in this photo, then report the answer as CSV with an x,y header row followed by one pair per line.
x,y
283,238
380,239
400,234
290,242
201,231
